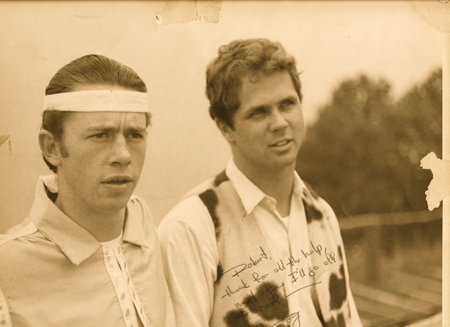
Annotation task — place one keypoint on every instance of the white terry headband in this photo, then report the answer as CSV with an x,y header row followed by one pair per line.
x,y
98,100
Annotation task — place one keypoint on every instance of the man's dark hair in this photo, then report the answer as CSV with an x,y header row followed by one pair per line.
x,y
252,58
91,69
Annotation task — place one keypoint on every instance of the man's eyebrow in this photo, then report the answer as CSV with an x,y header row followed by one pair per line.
x,y
114,128
136,128
101,128
258,107
291,98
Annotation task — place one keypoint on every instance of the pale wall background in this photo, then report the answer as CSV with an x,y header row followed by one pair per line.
x,y
331,41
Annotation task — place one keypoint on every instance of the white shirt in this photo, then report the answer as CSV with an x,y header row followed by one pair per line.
x,y
190,254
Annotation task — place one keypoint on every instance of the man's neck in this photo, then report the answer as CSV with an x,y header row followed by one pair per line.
x,y
104,226
275,183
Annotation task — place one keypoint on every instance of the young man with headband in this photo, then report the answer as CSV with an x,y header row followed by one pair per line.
x,y
255,246
87,254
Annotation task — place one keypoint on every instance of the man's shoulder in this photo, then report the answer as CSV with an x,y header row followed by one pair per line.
x,y
320,206
186,210
190,201
16,247
24,229
189,213
200,188
310,192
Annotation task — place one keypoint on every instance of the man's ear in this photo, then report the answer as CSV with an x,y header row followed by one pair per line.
x,y
226,130
50,147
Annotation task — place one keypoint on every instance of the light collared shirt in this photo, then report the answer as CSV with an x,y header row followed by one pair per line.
x,y
190,253
55,273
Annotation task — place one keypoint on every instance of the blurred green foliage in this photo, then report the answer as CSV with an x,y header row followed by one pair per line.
x,y
363,153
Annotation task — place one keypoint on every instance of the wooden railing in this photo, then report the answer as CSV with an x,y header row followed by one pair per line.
x,y
395,266
385,219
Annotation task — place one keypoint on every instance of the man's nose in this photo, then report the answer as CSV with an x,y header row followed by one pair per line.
x,y
278,120
121,153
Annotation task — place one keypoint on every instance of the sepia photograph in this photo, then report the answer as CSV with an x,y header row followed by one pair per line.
x,y
224,163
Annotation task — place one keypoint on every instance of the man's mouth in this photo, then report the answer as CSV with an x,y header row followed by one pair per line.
x,y
281,143
118,180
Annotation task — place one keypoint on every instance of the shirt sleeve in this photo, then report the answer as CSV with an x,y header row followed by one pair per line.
x,y
190,258
5,319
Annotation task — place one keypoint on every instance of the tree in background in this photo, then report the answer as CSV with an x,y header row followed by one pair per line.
x,y
363,152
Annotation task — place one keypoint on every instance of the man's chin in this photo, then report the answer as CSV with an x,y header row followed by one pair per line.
x,y
115,203
283,163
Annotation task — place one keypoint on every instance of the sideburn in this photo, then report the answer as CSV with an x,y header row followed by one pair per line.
x,y
63,149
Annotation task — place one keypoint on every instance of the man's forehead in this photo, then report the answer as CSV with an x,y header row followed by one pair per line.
x,y
273,81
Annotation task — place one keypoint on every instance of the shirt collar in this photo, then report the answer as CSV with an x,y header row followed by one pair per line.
x,y
134,230
74,241
249,193
299,185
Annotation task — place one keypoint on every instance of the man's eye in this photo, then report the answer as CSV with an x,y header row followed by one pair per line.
x,y
257,113
99,135
287,104
136,136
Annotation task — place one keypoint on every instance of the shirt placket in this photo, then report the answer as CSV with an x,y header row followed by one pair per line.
x,y
300,284
288,261
134,297
121,287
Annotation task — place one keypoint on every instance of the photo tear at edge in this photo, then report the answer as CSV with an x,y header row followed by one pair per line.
x,y
436,14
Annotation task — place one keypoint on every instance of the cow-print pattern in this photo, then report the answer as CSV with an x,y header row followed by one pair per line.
x,y
312,211
267,303
338,289
338,294
209,199
219,272
220,178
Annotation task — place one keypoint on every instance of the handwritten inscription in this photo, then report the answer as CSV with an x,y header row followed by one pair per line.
x,y
296,268
229,291
259,278
292,320
253,262
315,248
301,272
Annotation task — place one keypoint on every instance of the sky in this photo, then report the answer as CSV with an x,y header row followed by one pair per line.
x,y
331,41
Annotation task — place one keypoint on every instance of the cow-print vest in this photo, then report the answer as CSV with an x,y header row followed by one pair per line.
x,y
249,290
